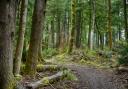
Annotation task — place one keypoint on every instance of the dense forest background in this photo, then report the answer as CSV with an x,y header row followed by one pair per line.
x,y
96,24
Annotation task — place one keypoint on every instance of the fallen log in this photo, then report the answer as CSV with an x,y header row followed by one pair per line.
x,y
41,67
49,67
45,81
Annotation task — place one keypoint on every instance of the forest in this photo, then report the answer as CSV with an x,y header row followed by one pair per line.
x,y
63,44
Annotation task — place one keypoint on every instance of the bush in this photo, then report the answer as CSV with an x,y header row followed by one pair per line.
x,y
122,49
49,52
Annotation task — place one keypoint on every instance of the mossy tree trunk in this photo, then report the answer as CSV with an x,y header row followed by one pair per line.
x,y
7,28
78,26
109,24
58,36
52,35
125,20
73,26
20,41
36,34
40,55
92,24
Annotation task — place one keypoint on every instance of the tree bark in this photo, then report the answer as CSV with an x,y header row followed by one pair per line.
x,y
73,22
92,23
125,20
40,55
7,28
109,24
53,34
45,81
78,30
58,31
20,42
36,34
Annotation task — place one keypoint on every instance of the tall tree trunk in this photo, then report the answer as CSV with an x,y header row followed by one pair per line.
x,y
125,20
52,35
62,40
36,34
68,28
25,50
7,28
119,33
109,24
78,29
92,23
40,55
63,33
20,42
101,41
73,22
58,36
64,28
49,36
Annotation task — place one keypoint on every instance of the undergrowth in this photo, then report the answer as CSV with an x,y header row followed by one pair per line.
x,y
122,49
47,53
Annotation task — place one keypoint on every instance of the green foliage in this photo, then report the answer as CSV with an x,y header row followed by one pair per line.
x,y
18,77
45,81
70,75
122,50
90,53
49,52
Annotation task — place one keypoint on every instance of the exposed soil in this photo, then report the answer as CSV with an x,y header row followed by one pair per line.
x,y
91,78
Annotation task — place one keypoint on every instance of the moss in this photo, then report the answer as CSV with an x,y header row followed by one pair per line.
x,y
45,81
18,77
12,84
69,75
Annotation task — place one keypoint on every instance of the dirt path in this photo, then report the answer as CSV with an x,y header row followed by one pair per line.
x,y
91,78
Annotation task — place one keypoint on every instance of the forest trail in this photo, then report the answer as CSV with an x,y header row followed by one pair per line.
x,y
92,78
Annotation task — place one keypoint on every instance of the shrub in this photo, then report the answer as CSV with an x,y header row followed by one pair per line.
x,y
122,49
49,52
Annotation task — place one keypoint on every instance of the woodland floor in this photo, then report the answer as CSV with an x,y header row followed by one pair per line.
x,y
91,78
88,77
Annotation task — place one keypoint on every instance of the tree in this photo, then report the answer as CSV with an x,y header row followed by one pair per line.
x,y
125,20
78,25
7,28
20,41
73,24
109,24
36,34
92,23
40,57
